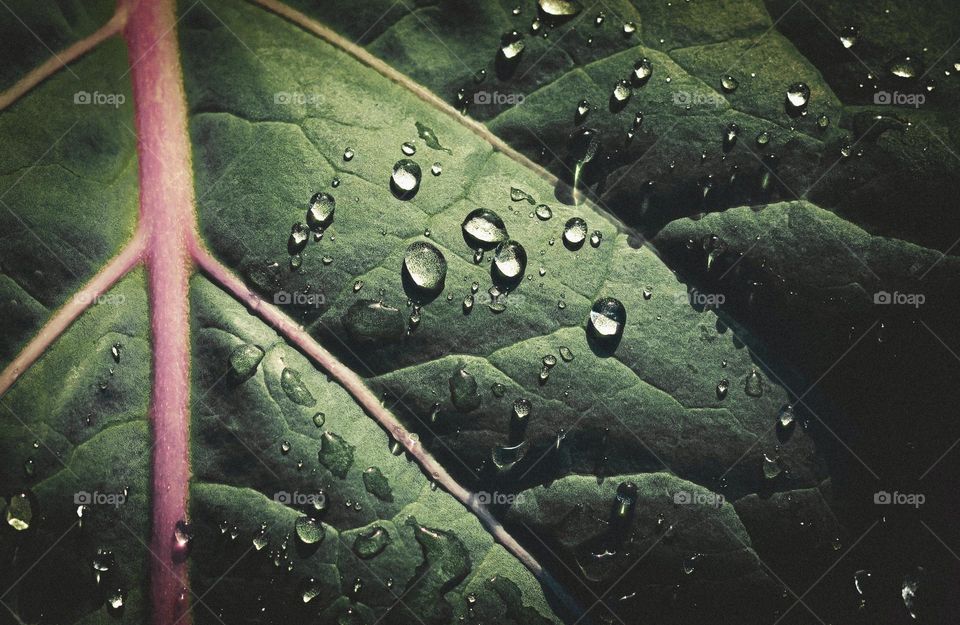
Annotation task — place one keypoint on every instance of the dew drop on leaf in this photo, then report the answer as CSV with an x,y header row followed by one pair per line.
x,y
244,360
543,212
408,148
335,454
509,261
559,8
425,267
320,213
377,484
506,457
574,232
519,195
511,45
483,229
729,84
798,95
309,530
754,384
405,180
295,389
372,322
20,512
607,318
370,543
463,391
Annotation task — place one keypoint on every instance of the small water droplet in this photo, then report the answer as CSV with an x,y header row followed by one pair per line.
x,y
309,530
370,543
436,169
607,318
321,210
509,261
405,180
848,36
642,70
771,466
483,229
511,45
348,154
798,95
408,148
622,91
574,232
723,386
754,384
543,212
729,83
596,238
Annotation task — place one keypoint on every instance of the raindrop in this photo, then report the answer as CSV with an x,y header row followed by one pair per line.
x,y
582,109
729,83
311,588
430,137
754,384
622,91
607,318
319,419
183,533
509,262
309,531
543,212
506,457
905,67
574,233
771,466
823,121
798,95
626,498
244,360
559,8
463,391
299,236
565,353
596,238
320,213
372,322
786,416
425,267
376,483
20,512
642,70
511,45
295,389
405,181
848,36
723,386
629,28
498,389
408,148
348,154
519,195
436,169
370,543
483,229
763,138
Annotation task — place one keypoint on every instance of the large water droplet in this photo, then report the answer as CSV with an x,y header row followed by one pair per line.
x,y
798,95
622,91
309,530
908,590
405,181
509,262
506,457
463,391
371,542
511,45
20,512
543,212
484,229
244,360
296,390
607,318
335,454
642,70
320,213
574,233
754,384
559,8
377,484
425,267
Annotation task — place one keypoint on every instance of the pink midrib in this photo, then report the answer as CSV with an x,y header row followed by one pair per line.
x,y
167,218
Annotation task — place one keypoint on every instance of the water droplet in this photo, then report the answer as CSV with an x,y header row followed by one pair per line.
x,y
260,540
115,350
335,182
285,447
565,353
436,169
543,212
629,28
115,599
299,236
689,564
311,588
319,419
408,148
320,213
559,8
642,70
786,416
763,138
483,229
371,542
511,45
377,484
295,389
848,36
607,318
798,95
335,454
574,232
348,154
309,530
468,303
405,181
754,384
244,360
823,121
506,457
622,91
730,135
596,238
909,588
905,67
519,195
430,137
729,83
582,109
723,386
498,389
183,533
860,580
771,466
357,285
463,391
626,498
425,267
509,261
